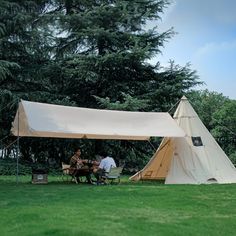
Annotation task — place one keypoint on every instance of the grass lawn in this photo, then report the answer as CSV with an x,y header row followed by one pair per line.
x,y
127,209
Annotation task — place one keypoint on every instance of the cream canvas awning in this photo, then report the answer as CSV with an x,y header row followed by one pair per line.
x,y
47,120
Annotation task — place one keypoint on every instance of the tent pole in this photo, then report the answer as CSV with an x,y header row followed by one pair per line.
x,y
18,146
17,161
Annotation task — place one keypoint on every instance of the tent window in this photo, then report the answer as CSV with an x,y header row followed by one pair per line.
x,y
197,141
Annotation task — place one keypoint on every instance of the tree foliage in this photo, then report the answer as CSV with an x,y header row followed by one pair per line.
x,y
224,123
218,114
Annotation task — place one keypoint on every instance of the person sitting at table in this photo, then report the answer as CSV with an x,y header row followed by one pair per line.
x,y
81,167
104,167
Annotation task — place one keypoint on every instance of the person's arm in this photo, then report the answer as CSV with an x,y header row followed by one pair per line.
x,y
73,162
89,162
114,163
84,161
101,165
96,163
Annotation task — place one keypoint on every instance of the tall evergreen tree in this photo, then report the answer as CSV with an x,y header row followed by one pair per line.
x,y
104,52
88,53
24,56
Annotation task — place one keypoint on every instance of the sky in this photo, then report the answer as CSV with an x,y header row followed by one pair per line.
x,y
206,37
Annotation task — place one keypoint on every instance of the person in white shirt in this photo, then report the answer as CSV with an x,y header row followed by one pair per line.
x,y
104,167
106,164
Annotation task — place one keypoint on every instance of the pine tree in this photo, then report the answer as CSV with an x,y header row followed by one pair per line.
x,y
90,53
105,47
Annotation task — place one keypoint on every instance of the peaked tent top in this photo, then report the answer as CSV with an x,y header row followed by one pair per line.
x,y
47,120
184,98
185,110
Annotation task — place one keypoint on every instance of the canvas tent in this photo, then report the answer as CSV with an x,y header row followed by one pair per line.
x,y
193,159
46,120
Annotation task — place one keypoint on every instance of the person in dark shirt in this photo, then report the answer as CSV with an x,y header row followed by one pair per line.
x,y
81,167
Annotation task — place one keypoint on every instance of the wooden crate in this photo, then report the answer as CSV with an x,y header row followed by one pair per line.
x,y
39,178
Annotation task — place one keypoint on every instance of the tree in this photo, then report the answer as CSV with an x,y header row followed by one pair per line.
x,y
91,54
25,55
105,48
206,103
218,114
224,122
103,54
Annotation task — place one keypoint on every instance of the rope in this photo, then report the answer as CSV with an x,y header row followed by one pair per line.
x,y
4,137
231,131
174,105
151,145
8,104
11,143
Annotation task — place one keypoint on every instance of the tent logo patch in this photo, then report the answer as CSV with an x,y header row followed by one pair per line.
x,y
197,141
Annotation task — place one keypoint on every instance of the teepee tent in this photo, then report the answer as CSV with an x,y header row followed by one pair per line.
x,y
193,159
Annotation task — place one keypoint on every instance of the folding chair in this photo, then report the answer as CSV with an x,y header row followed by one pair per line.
x,y
113,176
67,173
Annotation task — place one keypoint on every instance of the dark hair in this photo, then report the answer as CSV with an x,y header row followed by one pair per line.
x,y
103,154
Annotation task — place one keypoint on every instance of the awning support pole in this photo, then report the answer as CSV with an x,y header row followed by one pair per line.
x,y
18,146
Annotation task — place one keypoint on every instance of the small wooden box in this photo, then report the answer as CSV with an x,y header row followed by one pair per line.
x,y
39,178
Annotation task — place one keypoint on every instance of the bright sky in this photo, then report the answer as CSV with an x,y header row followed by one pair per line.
x,y
206,38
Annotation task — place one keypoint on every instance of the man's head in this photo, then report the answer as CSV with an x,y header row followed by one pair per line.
x,y
78,152
103,154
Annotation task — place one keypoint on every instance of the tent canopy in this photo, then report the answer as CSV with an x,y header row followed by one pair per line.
x,y
46,120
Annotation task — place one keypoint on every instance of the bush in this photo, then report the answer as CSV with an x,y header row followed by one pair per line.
x,y
8,167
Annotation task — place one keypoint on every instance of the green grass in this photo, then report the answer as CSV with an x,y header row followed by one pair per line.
x,y
127,209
